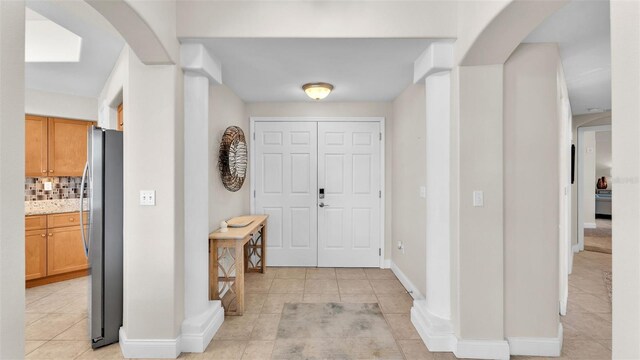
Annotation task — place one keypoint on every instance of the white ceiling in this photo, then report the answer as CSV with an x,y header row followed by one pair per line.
x,y
275,69
101,45
581,29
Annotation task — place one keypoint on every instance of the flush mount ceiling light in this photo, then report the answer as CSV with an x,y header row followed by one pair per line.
x,y
317,91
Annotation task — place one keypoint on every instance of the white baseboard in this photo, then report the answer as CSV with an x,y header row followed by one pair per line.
x,y
149,348
483,349
590,225
536,346
436,333
198,331
575,248
411,288
387,264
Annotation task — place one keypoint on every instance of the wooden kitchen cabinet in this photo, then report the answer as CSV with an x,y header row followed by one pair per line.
x,y
35,254
36,146
55,147
120,125
65,250
54,250
67,143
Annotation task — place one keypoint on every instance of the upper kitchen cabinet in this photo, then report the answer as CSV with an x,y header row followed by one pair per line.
x,y
55,147
67,146
36,146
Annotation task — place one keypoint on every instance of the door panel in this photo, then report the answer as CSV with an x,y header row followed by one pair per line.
x,y
65,251
67,146
286,185
35,254
36,146
349,171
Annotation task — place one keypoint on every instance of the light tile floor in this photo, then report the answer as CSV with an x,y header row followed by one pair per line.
x,y
56,318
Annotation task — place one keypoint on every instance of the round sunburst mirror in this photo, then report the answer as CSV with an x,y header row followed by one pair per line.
x,y
232,159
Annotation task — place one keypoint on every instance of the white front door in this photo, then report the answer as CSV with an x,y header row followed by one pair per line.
x,y
286,188
349,216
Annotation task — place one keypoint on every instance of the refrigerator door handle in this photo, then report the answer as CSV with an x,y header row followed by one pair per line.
x,y
82,230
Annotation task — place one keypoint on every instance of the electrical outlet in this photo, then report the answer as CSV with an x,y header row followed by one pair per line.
x,y
48,186
148,197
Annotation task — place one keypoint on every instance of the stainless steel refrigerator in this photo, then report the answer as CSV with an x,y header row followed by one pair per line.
x,y
103,234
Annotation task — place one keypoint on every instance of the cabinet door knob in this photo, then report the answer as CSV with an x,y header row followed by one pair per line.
x,y
50,234
70,219
44,171
50,171
43,235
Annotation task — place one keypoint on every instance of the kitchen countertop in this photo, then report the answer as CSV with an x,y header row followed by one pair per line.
x,y
44,207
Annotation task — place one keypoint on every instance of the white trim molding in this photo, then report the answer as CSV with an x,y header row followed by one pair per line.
x,y
536,346
482,349
590,225
436,333
198,332
149,348
404,280
386,264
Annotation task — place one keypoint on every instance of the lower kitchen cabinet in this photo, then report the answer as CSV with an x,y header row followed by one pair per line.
x,y
65,251
35,254
54,250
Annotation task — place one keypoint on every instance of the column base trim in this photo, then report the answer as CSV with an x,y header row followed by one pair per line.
x,y
436,333
198,331
482,349
149,348
536,346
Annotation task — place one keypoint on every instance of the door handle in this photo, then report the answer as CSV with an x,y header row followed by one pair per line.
x,y
323,205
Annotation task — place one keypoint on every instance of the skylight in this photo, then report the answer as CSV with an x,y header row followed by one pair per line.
x,y
46,41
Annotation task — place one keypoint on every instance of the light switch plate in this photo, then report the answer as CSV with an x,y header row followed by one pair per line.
x,y
478,198
147,197
423,192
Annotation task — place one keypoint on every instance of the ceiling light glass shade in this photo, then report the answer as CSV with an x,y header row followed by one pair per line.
x,y
317,91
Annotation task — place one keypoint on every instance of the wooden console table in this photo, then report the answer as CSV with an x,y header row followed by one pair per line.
x,y
231,254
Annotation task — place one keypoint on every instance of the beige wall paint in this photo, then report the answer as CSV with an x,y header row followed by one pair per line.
x,y
625,72
587,152
12,147
153,235
531,191
409,169
225,109
477,243
46,103
338,109
332,19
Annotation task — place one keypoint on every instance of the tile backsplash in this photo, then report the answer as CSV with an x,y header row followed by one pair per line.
x,y
63,188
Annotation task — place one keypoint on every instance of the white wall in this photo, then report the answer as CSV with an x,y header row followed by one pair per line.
x,y
531,191
153,236
12,180
477,237
332,19
587,150
408,174
225,109
625,57
603,156
114,92
37,102
336,109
